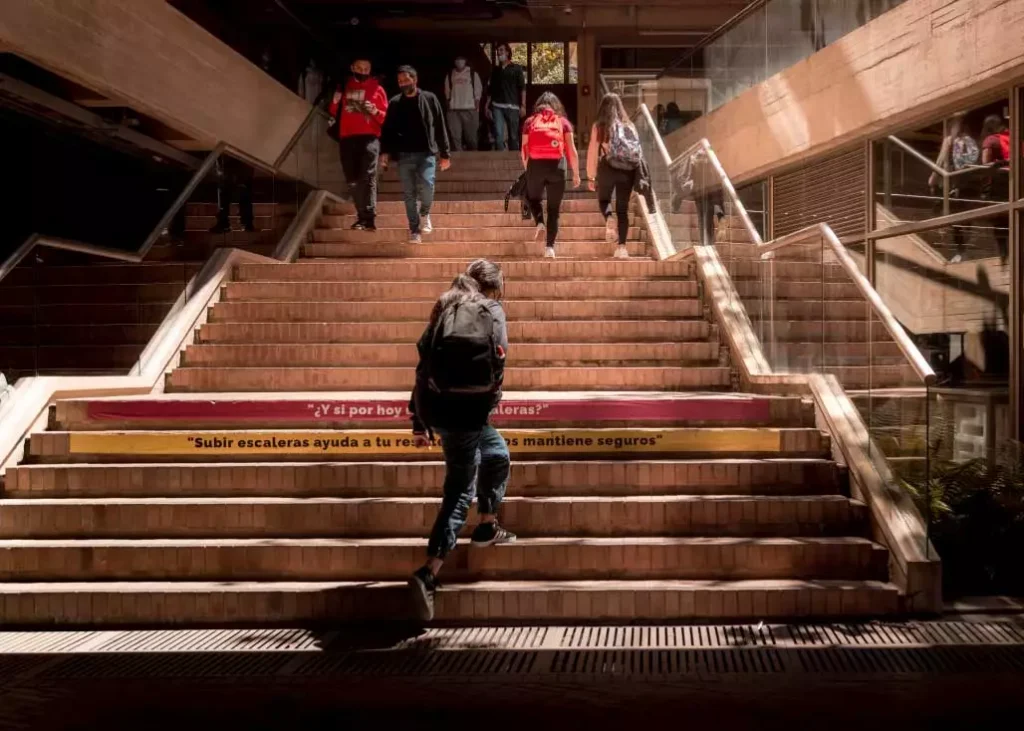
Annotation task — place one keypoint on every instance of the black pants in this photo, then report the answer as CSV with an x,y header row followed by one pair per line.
x,y
359,156
234,175
549,176
621,182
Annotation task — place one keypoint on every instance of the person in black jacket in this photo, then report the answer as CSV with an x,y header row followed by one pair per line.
x,y
415,132
475,454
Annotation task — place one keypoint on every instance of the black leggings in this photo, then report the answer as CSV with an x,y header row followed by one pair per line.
x,y
541,176
609,178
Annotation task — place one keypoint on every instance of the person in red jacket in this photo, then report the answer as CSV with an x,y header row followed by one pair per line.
x,y
357,112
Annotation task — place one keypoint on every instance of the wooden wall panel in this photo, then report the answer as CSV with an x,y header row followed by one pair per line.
x,y
148,55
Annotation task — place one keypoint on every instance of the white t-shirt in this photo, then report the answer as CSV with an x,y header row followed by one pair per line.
x,y
463,89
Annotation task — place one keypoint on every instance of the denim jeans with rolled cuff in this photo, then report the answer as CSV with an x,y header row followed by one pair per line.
x,y
476,463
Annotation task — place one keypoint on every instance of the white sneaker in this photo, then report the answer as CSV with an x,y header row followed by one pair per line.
x,y
549,252
611,229
956,259
621,252
539,233
415,238
427,227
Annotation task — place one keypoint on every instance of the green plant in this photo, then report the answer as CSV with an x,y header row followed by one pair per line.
x,y
977,524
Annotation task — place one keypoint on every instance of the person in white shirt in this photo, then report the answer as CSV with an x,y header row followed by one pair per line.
x,y
463,90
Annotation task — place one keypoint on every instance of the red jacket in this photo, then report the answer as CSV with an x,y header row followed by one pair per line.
x,y
352,122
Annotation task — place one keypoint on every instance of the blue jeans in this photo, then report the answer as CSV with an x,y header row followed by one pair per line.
x,y
476,463
417,171
506,120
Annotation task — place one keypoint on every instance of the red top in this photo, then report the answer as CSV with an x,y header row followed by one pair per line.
x,y
354,121
999,144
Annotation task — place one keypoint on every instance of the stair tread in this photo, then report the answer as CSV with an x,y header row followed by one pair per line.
x,y
415,500
407,542
250,586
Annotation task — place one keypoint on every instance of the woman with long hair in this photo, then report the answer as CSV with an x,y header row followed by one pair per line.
x,y
458,384
548,145
612,167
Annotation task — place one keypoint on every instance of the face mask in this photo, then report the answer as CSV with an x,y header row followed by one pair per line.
x,y
407,89
460,64
360,77
502,57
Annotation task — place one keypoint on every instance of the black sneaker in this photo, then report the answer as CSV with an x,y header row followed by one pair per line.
x,y
423,586
359,226
220,228
490,534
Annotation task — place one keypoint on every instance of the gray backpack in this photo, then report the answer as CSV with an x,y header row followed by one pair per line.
x,y
464,356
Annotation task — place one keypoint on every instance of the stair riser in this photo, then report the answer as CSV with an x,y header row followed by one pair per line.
x,y
312,561
333,479
581,331
265,445
516,290
426,270
465,206
271,606
414,518
337,312
491,234
435,247
513,219
382,354
555,378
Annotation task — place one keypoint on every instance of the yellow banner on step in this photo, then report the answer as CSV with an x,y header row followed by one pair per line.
x,y
371,442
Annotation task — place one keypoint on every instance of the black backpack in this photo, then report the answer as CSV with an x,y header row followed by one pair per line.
x,y
464,357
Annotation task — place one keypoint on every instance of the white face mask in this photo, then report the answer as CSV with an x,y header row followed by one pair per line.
x,y
503,57
460,64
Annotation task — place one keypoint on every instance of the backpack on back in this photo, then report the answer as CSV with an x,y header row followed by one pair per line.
x,y
624,151
965,152
546,140
464,358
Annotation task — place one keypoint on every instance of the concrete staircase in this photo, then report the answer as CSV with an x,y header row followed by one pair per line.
x,y
275,480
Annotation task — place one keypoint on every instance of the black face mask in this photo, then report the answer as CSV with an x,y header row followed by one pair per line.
x,y
408,89
360,77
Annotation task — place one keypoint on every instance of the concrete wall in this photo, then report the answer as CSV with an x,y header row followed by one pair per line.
x,y
907,65
151,57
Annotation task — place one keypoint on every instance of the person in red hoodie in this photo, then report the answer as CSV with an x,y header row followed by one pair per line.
x,y
357,112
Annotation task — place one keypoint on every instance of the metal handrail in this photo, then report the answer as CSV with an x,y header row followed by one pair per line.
x,y
935,168
822,230
134,257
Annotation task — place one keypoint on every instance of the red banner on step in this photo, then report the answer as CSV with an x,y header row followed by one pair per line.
x,y
283,412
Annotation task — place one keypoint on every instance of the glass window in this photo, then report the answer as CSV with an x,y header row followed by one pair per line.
x,y
488,49
956,164
547,63
574,73
520,54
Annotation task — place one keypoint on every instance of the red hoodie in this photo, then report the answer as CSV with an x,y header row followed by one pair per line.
x,y
354,122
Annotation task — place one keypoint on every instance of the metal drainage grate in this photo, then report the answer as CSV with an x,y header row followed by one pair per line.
x,y
417,663
466,638
167,665
668,637
666,662
951,659
227,640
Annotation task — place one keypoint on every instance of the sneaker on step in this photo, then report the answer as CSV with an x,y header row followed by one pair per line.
x,y
611,229
491,534
549,252
621,252
427,227
358,226
538,234
423,585
415,238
